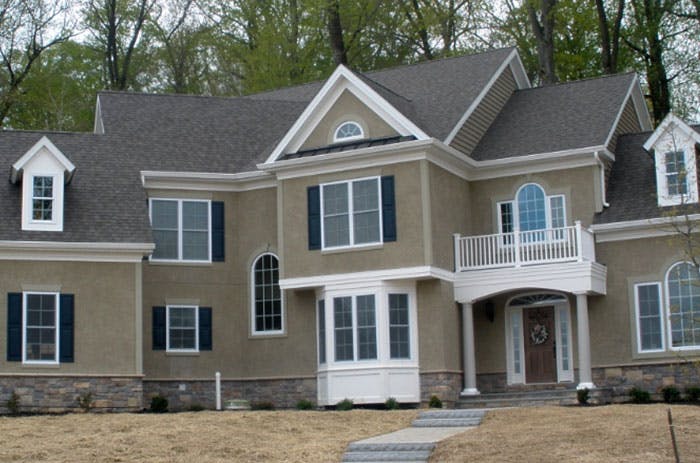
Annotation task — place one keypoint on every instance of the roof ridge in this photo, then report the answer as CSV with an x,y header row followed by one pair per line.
x,y
577,81
365,76
171,95
45,132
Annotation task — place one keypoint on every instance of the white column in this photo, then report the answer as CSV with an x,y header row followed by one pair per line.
x,y
468,354
584,343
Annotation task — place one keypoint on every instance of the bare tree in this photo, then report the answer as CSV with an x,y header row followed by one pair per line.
x,y
335,33
27,29
610,35
542,22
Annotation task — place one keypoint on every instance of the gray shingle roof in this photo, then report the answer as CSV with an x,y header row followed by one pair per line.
x,y
632,185
104,202
439,91
555,118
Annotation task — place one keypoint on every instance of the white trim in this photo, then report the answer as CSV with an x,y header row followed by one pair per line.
x,y
342,79
180,230
667,312
564,374
348,138
346,280
253,331
351,214
204,181
57,328
44,142
637,320
71,251
670,122
56,221
639,229
633,85
98,126
506,64
167,327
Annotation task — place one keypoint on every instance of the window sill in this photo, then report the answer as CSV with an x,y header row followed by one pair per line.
x,y
41,365
344,249
182,354
181,263
263,335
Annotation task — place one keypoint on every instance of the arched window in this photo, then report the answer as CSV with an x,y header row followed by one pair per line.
x,y
267,297
683,284
347,131
531,207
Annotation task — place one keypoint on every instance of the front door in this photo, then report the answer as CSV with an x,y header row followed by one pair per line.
x,y
540,346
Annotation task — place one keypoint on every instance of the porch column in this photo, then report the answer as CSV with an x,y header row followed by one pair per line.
x,y
468,354
584,343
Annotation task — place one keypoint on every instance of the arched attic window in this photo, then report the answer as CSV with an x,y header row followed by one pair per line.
x,y
347,131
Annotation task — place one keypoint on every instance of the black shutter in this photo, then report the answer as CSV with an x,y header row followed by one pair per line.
x,y
205,341
314,206
388,209
158,328
217,231
67,312
14,327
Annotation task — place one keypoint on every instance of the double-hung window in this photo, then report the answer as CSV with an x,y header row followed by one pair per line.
x,y
181,229
42,198
267,297
650,337
676,173
41,318
399,327
351,213
355,326
182,328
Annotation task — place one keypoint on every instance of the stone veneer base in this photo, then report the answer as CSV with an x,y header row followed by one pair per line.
x,y
445,385
55,394
183,394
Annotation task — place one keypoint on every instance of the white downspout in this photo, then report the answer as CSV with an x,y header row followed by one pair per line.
x,y
602,178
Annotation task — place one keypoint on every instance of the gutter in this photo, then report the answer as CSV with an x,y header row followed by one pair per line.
x,y
602,178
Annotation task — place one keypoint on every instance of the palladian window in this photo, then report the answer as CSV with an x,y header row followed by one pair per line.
x,y
347,131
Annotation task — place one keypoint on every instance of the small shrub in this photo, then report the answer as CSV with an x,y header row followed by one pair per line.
x,y
435,402
263,405
12,403
305,404
344,405
391,404
583,395
692,394
159,404
639,396
85,401
195,408
671,394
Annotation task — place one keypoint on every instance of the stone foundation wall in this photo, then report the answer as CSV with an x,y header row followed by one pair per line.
x,y
652,378
446,386
181,395
51,394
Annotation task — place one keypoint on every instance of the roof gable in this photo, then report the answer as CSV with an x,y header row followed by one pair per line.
x,y
667,126
343,80
44,145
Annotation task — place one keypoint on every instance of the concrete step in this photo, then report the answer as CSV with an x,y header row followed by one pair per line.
x,y
442,414
446,422
390,447
380,456
519,399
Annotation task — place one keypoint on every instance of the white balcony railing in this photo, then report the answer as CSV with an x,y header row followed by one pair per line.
x,y
522,248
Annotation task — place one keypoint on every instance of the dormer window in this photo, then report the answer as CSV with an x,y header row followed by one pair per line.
x,y
42,198
348,131
43,171
673,145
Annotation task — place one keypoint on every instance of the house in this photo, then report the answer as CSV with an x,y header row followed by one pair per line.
x,y
439,228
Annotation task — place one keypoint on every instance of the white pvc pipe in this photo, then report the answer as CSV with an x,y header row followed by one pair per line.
x,y
218,390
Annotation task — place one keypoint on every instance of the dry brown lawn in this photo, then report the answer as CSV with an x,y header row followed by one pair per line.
x,y
280,436
616,433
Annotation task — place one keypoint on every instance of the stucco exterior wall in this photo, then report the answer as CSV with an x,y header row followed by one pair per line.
x,y
577,185
439,327
406,251
105,309
348,108
226,288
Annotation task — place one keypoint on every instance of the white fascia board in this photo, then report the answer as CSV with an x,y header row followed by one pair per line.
x,y
637,229
670,123
342,79
504,67
519,72
640,106
44,142
343,280
628,95
76,252
203,181
99,127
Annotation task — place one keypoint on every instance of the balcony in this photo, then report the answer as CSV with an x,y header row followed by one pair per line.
x,y
524,248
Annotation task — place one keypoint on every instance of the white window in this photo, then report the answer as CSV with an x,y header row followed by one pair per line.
x,y
348,131
676,175
182,325
181,229
351,213
40,330
399,327
355,328
650,337
267,298
531,210
42,198
683,286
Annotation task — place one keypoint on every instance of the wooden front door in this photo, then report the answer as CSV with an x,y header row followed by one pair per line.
x,y
540,346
